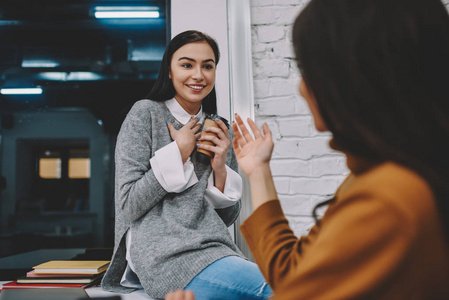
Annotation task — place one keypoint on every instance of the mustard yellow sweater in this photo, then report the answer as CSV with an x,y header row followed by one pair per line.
x,y
380,239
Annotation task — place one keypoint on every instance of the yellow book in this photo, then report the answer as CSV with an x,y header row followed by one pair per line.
x,y
72,267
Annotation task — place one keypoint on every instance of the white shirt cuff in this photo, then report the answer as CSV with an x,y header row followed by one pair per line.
x,y
232,191
172,174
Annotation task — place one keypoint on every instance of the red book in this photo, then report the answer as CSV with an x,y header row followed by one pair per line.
x,y
15,285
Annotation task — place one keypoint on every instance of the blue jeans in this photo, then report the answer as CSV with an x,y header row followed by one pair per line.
x,y
230,278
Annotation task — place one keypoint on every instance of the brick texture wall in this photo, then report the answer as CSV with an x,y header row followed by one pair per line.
x,y
306,171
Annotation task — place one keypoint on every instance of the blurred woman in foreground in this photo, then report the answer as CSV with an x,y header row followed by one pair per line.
x,y
374,74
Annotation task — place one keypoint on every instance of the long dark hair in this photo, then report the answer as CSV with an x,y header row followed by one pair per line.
x,y
163,88
379,71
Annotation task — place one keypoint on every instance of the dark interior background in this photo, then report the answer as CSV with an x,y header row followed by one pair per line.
x,y
100,67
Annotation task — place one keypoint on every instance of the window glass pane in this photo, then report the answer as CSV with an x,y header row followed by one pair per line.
x,y
79,168
50,168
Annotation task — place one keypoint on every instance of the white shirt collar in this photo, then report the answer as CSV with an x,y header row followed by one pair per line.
x,y
179,113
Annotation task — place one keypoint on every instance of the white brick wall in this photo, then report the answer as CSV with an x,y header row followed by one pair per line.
x,y
306,171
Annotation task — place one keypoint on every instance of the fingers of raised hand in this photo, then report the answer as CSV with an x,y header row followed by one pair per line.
x,y
245,133
254,128
238,138
266,131
236,146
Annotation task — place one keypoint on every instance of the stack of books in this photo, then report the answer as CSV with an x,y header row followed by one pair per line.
x,y
62,273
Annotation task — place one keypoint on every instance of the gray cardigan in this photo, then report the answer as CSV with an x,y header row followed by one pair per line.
x,y
174,235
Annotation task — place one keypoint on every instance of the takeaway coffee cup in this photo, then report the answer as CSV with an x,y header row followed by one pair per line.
x,y
204,155
208,122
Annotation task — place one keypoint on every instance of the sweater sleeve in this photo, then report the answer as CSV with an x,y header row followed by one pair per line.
x,y
355,255
137,187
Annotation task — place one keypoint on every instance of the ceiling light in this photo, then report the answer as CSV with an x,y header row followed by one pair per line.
x,y
69,76
39,64
126,12
21,91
